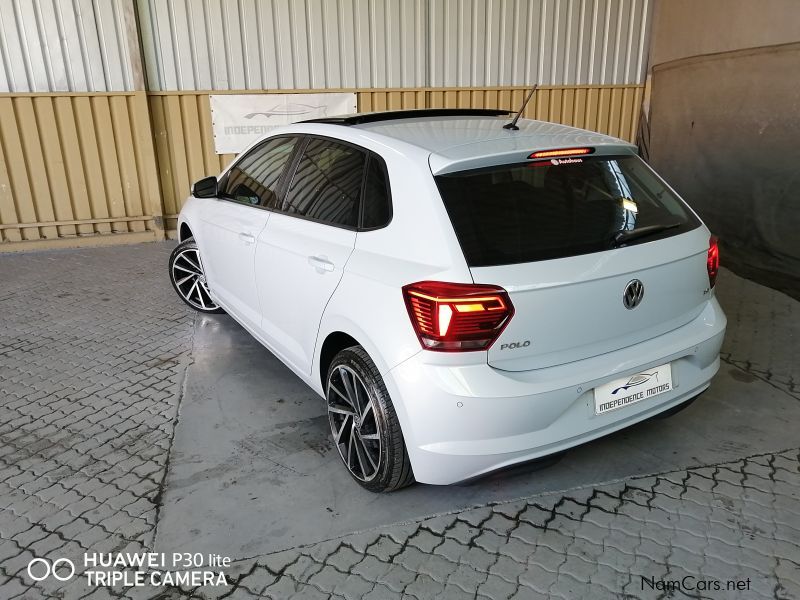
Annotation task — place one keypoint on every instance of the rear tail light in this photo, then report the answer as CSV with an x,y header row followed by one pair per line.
x,y
457,317
712,262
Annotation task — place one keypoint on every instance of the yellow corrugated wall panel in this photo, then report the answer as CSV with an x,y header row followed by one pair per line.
x,y
195,164
184,144
146,165
53,161
176,132
90,157
109,162
76,165
18,201
211,159
42,204
126,161
162,147
8,210
77,189
88,164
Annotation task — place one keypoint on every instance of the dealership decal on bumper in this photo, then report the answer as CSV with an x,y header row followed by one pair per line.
x,y
629,390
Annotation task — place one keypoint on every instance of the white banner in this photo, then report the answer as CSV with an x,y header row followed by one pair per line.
x,y
239,120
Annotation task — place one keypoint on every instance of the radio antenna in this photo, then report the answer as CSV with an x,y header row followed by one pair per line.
x,y
513,125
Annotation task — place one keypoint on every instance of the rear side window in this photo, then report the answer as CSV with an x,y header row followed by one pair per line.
x,y
377,211
326,185
255,177
553,209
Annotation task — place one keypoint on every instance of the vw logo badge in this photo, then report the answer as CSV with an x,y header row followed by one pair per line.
x,y
633,294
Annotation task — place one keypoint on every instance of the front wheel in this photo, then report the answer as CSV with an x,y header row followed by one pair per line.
x,y
364,424
189,279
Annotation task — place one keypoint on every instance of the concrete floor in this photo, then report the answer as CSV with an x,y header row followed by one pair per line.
x,y
253,470
129,423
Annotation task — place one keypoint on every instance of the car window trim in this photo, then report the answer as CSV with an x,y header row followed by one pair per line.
x,y
362,192
288,173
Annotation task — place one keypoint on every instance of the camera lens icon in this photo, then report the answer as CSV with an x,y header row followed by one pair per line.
x,y
41,568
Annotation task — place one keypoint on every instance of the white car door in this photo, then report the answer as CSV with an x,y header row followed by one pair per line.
x,y
303,249
231,225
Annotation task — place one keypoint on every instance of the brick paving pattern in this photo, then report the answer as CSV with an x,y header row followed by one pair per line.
x,y
736,522
93,352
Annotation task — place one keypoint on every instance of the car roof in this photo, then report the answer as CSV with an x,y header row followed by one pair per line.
x,y
442,135
461,142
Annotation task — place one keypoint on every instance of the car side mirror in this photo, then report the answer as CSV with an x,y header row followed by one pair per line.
x,y
205,187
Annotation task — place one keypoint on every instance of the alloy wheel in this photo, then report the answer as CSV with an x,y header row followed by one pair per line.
x,y
190,281
354,423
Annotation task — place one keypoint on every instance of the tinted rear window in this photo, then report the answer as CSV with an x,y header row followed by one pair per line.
x,y
553,209
377,202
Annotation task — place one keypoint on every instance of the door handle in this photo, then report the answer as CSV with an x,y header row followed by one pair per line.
x,y
247,238
320,263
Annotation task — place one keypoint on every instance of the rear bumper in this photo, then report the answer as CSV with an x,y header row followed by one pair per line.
x,y
461,422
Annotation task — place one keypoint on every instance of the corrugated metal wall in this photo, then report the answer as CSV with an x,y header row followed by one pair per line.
x,y
553,42
266,44
77,158
69,46
76,165
289,44
87,149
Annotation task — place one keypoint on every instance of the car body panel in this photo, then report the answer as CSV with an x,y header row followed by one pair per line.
x,y
572,308
470,420
231,230
386,259
298,265
464,414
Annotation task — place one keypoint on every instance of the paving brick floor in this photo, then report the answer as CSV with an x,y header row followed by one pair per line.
x,y
656,537
94,349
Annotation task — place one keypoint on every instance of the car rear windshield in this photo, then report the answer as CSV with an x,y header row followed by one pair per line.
x,y
542,210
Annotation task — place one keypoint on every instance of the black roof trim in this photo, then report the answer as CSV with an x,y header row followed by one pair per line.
x,y
392,115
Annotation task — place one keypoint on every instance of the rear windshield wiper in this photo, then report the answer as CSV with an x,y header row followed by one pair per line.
x,y
625,236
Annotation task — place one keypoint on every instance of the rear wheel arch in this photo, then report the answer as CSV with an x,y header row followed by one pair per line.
x,y
336,328
335,342
348,334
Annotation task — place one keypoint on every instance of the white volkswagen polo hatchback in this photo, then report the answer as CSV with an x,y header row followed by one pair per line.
x,y
464,296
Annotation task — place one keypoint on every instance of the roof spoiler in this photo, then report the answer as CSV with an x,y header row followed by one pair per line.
x,y
394,115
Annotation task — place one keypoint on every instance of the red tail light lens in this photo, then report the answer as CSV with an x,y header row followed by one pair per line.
x,y
457,317
712,262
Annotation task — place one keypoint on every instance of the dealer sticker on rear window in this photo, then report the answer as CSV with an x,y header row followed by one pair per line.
x,y
630,390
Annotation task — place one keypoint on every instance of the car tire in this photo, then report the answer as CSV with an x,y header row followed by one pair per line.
x,y
364,425
188,278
